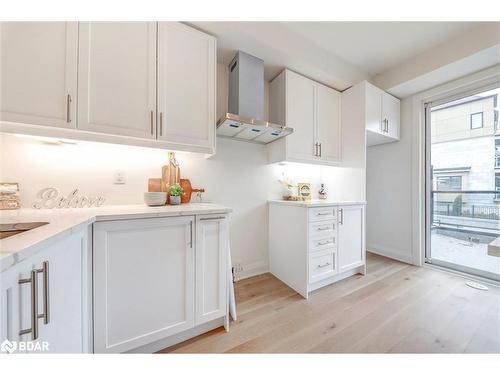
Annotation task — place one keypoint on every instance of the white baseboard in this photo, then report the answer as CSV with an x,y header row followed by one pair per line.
x,y
252,269
390,253
180,337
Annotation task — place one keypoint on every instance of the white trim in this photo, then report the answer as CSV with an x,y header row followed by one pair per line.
x,y
252,269
178,338
390,253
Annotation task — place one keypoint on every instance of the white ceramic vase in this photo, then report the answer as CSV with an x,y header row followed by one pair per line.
x,y
175,200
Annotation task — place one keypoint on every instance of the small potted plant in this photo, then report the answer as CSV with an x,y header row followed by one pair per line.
x,y
175,192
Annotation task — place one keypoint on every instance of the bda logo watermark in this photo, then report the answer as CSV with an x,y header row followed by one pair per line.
x,y
8,346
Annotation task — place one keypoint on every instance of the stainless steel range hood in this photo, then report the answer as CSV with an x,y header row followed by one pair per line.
x,y
246,104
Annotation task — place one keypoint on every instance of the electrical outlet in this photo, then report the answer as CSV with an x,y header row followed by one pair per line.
x,y
238,268
119,178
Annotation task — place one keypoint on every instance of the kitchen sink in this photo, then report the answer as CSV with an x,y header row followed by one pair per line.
x,y
11,229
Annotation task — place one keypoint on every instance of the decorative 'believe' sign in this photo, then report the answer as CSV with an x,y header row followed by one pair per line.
x,y
51,198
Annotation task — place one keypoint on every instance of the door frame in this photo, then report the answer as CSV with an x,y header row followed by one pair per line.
x,y
459,93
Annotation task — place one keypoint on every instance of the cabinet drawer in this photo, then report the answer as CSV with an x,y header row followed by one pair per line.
x,y
322,213
322,229
318,244
322,265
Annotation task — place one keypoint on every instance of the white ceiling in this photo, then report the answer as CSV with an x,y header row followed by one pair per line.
x,y
339,54
378,46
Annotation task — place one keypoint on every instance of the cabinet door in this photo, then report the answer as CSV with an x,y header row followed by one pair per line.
x,y
9,305
65,327
390,113
300,116
328,123
117,78
373,108
211,267
143,281
38,63
351,252
186,86
61,297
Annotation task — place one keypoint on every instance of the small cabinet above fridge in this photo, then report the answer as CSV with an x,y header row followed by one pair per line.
x,y
381,112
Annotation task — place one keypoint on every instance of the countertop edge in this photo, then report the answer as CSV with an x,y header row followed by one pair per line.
x,y
316,203
9,259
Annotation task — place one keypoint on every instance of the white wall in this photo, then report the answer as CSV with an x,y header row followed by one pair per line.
x,y
237,176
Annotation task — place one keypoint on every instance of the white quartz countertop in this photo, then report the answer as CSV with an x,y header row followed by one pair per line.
x,y
65,221
315,203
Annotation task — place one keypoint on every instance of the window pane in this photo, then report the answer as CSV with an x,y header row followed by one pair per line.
x,y
476,120
456,183
443,183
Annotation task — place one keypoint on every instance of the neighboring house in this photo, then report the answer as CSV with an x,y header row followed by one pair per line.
x,y
466,149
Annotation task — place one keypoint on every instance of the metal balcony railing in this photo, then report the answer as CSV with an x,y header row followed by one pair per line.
x,y
476,210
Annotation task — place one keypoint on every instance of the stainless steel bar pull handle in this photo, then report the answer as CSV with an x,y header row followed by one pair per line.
x,y
320,151
34,305
68,108
191,234
45,275
151,120
316,149
324,265
213,218
341,211
161,124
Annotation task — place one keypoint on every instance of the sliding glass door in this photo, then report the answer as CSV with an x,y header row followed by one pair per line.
x,y
463,182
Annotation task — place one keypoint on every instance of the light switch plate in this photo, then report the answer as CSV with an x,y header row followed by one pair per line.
x,y
119,178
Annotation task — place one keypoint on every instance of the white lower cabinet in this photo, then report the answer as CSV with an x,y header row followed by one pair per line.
x,y
149,281
211,268
43,301
351,239
314,246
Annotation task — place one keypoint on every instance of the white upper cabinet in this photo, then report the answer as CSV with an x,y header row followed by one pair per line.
x,y
117,78
373,107
186,87
382,115
300,109
313,111
39,73
140,83
391,114
328,129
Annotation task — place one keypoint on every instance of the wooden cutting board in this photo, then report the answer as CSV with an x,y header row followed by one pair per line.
x,y
188,190
155,184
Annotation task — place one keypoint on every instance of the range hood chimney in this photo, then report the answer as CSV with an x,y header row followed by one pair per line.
x,y
244,121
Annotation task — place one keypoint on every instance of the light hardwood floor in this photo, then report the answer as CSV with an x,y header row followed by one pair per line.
x,y
394,308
